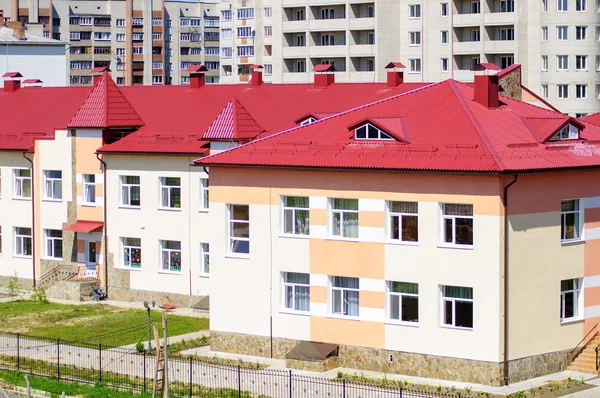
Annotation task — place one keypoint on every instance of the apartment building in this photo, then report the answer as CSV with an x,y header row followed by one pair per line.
x,y
437,233
556,42
143,42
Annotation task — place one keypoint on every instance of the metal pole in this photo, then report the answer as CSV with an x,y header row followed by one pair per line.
x,y
344,388
149,338
100,360
58,357
291,385
144,372
239,382
18,352
166,350
191,377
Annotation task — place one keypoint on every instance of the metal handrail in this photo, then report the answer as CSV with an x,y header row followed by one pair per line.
x,y
584,337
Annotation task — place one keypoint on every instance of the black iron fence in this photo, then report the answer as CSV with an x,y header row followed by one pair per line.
x,y
126,369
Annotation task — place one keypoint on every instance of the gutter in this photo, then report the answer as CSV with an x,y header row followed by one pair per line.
x,y
33,231
105,228
505,349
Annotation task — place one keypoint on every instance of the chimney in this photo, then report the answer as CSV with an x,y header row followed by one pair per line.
x,y
395,74
98,72
12,81
257,76
486,85
324,76
197,78
32,83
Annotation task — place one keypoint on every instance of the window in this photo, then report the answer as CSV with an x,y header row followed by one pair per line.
x,y
598,91
300,66
544,33
403,304
370,132
562,5
204,193
580,5
507,34
570,299
444,34
22,241
475,35
170,254
157,65
507,6
53,244
227,52
132,252
571,217
598,62
22,183
209,50
507,61
457,306
226,15
562,33
328,39
414,11
184,36
268,12
268,69
245,51
581,33
344,218
137,49
89,188
245,13
414,65
195,22
544,91
268,31
53,184
444,9
170,192
457,220
581,91
562,62
445,64
0,239
475,7
403,218
245,31
544,62
475,61
581,62
415,38
371,38
300,15
370,11
562,91
130,191
156,36
344,296
239,229
296,291
295,215
102,36
156,21
120,23
544,5
308,120
85,21
327,13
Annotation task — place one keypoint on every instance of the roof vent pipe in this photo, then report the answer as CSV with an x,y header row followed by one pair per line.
x,y
12,81
197,78
324,76
486,87
257,75
395,74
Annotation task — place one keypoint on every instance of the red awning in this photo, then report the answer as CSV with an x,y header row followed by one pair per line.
x,y
84,226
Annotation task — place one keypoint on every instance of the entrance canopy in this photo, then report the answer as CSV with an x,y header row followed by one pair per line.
x,y
84,226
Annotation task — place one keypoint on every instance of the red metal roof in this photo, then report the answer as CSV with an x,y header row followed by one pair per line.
x,y
233,123
106,107
84,226
12,74
100,69
508,70
395,65
448,131
324,68
197,68
594,118
32,81
256,66
486,66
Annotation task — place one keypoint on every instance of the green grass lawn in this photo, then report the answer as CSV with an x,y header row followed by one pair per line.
x,y
95,324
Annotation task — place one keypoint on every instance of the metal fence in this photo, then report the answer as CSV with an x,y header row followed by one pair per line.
x,y
125,369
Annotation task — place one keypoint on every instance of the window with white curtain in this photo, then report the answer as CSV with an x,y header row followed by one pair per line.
x,y
457,224
571,220
52,184
53,244
204,194
205,258
132,252
344,295
22,183
239,229
295,215
23,242
130,191
457,306
170,192
404,221
570,299
344,218
296,291
170,253
403,301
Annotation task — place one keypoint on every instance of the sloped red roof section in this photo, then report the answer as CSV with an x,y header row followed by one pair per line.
x,y
106,107
12,74
324,68
594,118
234,122
223,125
395,65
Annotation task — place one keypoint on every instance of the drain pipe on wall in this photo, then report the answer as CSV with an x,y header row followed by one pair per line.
x,y
104,168
33,231
505,202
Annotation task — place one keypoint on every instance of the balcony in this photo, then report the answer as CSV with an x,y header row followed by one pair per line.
x,y
362,23
467,47
328,51
362,50
500,46
499,18
467,20
327,24
295,52
463,75
293,3
295,26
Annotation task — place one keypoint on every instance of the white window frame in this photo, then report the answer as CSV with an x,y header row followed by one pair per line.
x,y
581,62
562,5
21,242
89,189
544,90
414,38
49,242
19,183
126,249
50,186
544,63
581,5
577,291
454,300
578,220
415,65
204,259
445,217
293,287
414,11
233,239
401,295
475,7
544,33
562,91
204,194
343,293
169,205
445,64
562,62
581,91
368,129
288,209
120,23
444,9
562,33
128,187
342,213
169,252
400,216
444,37
581,33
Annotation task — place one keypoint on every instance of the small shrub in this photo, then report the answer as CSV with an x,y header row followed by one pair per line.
x,y
568,383
438,388
13,284
532,391
39,295
556,387
425,387
582,380
340,375
468,391
139,347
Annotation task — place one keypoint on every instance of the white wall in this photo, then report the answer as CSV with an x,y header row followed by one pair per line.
x,y
48,63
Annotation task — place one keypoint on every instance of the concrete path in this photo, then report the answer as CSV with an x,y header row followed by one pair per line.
x,y
175,339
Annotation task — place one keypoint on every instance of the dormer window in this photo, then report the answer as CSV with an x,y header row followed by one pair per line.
x,y
569,132
308,120
370,132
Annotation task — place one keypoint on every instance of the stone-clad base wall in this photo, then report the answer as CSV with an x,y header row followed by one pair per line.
x,y
179,300
24,283
404,363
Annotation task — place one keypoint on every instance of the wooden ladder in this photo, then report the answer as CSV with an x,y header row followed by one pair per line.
x,y
158,387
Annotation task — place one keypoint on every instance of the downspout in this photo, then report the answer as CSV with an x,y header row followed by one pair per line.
x,y
105,228
505,359
33,231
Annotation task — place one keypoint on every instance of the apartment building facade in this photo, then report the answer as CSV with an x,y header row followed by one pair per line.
x,y
381,235
143,42
555,41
